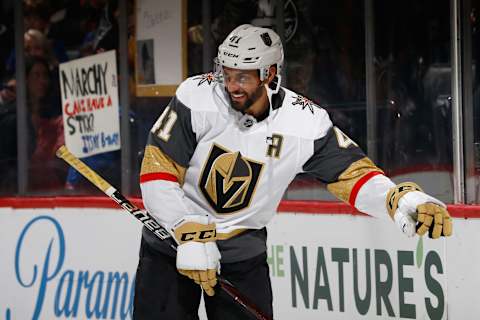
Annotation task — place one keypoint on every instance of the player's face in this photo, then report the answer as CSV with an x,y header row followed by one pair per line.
x,y
243,87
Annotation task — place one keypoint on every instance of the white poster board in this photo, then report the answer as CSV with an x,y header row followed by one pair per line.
x,y
89,90
160,62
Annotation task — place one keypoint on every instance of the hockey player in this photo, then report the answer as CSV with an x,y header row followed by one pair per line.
x,y
216,165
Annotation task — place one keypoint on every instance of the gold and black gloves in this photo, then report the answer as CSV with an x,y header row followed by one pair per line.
x,y
197,254
416,212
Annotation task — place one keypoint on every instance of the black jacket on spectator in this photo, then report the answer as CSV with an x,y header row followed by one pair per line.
x,y
8,147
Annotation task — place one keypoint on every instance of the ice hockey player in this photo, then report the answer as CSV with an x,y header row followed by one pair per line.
x,y
217,163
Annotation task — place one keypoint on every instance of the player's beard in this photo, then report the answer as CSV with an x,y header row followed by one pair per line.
x,y
251,98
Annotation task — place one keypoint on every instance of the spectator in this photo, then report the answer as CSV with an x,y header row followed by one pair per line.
x,y
37,39
36,16
105,35
44,107
8,142
8,148
8,92
39,15
36,46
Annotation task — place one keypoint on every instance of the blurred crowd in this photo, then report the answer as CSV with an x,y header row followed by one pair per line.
x,y
325,61
55,32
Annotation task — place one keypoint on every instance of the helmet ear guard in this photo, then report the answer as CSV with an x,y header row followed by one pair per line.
x,y
218,71
274,85
264,73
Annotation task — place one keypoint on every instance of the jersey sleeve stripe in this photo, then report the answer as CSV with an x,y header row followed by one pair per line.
x,y
359,184
157,176
156,161
349,179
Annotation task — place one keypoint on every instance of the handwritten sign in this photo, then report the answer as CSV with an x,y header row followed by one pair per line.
x,y
90,104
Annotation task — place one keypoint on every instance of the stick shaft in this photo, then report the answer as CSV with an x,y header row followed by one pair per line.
x,y
148,221
141,215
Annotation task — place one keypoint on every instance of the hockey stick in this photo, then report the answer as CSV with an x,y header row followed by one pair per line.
x,y
148,221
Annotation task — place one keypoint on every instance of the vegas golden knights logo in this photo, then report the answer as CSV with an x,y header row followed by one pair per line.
x,y
228,180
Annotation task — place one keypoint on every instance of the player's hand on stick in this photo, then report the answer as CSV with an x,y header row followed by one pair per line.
x,y
197,254
415,212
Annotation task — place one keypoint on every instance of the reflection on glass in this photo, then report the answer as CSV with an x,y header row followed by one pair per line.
x,y
46,126
56,33
413,88
8,119
326,63
472,114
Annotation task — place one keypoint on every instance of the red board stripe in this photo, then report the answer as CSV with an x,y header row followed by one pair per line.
x,y
300,206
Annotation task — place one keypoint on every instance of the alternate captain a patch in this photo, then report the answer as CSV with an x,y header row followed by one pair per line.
x,y
229,180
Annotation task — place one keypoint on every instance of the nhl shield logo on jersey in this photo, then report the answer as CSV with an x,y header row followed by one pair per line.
x,y
228,180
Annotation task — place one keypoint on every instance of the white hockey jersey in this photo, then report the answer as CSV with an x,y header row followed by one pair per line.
x,y
200,160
